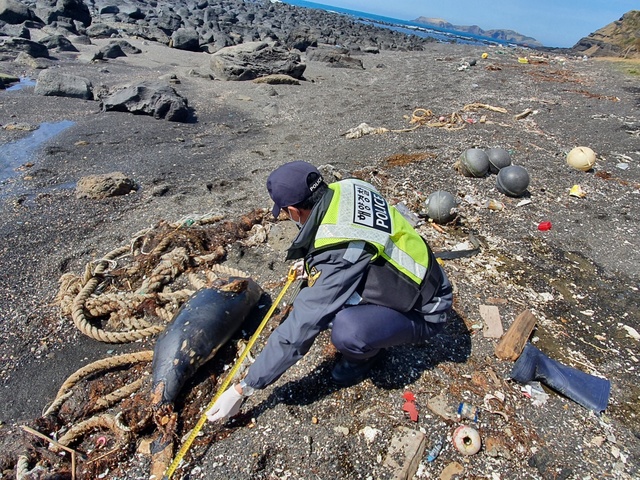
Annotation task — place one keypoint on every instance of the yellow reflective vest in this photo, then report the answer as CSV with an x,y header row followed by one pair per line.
x,y
402,271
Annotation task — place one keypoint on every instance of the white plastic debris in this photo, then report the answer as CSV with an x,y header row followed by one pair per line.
x,y
462,246
577,191
632,332
546,296
362,130
411,217
369,433
535,392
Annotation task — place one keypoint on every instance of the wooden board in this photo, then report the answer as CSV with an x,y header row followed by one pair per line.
x,y
512,343
492,324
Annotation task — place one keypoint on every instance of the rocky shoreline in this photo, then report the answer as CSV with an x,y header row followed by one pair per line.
x,y
200,26
579,279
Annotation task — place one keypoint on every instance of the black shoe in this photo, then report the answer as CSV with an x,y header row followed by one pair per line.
x,y
349,372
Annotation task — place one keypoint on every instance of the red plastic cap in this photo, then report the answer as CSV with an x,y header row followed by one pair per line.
x,y
544,226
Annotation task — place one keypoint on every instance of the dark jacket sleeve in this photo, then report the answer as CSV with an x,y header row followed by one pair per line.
x,y
313,310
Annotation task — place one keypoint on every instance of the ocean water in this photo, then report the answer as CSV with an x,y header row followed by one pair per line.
x,y
404,26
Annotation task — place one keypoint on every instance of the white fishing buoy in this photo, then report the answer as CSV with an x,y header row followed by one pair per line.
x,y
581,158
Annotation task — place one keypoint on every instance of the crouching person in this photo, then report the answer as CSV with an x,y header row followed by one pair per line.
x,y
371,278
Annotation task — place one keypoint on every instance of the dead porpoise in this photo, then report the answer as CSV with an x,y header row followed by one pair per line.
x,y
203,324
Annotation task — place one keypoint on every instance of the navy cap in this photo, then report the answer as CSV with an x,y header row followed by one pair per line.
x,y
292,183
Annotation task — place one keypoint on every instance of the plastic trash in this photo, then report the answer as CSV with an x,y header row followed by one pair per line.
x,y
435,450
473,162
466,440
544,226
441,206
512,180
466,410
577,191
581,158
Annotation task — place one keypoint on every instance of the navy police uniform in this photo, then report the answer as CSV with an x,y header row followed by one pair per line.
x,y
371,278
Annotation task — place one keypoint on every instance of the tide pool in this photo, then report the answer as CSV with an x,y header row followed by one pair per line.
x,y
17,153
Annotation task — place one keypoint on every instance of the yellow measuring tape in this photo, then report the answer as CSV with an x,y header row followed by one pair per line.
x,y
291,276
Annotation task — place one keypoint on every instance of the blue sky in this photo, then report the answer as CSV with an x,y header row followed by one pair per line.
x,y
556,23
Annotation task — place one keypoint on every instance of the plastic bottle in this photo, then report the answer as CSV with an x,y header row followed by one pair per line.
x,y
435,451
466,410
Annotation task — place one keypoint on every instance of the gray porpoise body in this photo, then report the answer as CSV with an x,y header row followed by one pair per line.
x,y
203,324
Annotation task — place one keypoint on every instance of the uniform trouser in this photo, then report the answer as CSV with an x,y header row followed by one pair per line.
x,y
361,331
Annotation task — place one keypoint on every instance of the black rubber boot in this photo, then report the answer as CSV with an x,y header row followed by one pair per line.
x,y
587,390
349,372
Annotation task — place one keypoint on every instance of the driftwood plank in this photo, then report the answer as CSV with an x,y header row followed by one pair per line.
x,y
512,343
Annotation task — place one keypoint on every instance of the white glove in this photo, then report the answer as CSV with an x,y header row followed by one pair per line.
x,y
226,406
300,270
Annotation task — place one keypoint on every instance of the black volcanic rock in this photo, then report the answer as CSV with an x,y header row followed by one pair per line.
x,y
148,98
14,45
55,10
58,42
14,12
252,60
231,22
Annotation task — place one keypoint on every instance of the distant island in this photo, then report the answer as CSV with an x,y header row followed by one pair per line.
x,y
506,36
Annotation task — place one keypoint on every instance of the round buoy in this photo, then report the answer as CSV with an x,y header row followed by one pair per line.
x,y
513,180
466,440
441,206
498,159
474,162
581,158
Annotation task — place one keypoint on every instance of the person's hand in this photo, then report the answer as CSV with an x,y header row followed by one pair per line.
x,y
300,270
226,406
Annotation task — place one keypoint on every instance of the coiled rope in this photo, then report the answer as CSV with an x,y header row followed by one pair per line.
x,y
78,313
132,298
106,420
114,397
95,367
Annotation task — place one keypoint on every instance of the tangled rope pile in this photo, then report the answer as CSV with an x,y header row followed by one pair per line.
x,y
129,294
120,304
422,117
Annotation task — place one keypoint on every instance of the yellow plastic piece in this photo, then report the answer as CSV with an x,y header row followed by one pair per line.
x,y
576,191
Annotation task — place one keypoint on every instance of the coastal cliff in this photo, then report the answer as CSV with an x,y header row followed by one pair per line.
x,y
618,39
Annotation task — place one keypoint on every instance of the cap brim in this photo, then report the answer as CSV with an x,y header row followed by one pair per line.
x,y
276,211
